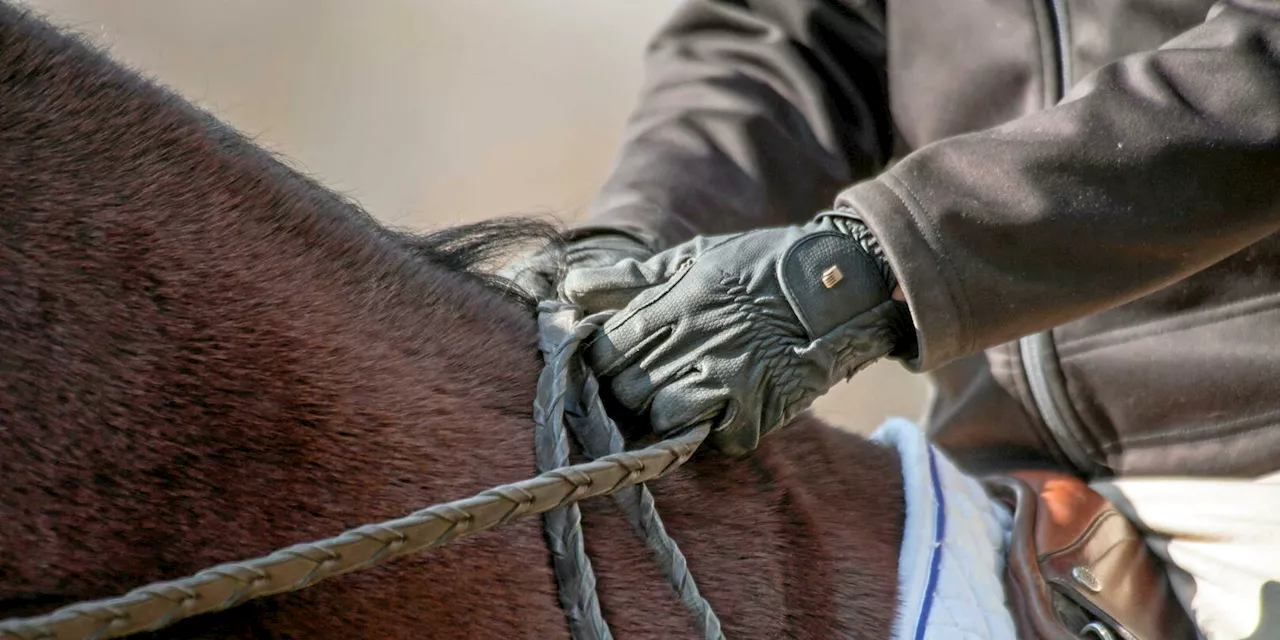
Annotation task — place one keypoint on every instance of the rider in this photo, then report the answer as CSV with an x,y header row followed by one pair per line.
x,y
1076,203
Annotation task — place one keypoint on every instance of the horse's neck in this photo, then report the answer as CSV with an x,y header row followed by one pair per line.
x,y
799,540
206,357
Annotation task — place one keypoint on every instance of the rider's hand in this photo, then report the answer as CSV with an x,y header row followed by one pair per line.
x,y
539,272
744,329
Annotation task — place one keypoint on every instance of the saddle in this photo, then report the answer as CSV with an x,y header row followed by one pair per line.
x,y
1077,568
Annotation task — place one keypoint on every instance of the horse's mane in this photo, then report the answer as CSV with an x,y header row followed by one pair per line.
x,y
205,356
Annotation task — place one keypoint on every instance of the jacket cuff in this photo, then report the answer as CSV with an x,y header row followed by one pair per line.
x,y
939,310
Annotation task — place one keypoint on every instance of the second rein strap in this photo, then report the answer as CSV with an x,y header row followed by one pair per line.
x,y
569,394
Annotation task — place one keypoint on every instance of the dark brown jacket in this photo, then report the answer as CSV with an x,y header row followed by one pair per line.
x,y
1110,168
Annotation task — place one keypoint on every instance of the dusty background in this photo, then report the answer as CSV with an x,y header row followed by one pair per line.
x,y
428,112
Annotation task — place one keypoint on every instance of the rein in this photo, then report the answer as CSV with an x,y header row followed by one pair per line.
x,y
567,392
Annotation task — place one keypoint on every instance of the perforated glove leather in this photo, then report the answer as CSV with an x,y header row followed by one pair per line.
x,y
745,329
539,272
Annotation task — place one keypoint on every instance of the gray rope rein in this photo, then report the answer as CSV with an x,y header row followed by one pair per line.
x,y
158,605
562,331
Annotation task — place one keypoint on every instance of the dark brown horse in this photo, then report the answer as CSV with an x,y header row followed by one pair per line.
x,y
205,356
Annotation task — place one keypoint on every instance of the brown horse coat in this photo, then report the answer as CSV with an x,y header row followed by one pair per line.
x,y
205,356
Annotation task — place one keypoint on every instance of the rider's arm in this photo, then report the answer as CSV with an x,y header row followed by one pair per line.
x,y
1155,167
753,114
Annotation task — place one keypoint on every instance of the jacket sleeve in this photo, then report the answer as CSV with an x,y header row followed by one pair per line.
x,y
1153,168
753,114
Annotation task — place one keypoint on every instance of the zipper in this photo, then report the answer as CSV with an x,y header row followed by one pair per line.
x,y
1049,391
1061,29
1039,356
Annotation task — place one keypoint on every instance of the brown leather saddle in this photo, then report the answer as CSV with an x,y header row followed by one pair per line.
x,y
1077,568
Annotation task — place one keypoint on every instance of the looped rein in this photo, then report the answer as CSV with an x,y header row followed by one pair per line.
x,y
556,490
568,393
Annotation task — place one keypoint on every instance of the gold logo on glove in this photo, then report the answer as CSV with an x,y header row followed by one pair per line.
x,y
832,276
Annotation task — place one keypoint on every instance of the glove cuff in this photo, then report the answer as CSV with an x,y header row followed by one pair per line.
x,y
848,223
829,279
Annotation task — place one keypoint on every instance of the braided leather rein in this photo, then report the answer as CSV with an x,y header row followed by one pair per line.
x,y
158,605
568,393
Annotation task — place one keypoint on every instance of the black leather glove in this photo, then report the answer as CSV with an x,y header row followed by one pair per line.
x,y
745,329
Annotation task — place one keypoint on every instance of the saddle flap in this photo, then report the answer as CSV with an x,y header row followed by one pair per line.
x,y
1074,559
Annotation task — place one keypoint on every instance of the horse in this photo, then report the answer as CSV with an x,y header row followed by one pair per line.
x,y
206,355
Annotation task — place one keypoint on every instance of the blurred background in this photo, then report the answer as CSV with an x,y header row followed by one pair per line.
x,y
427,112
